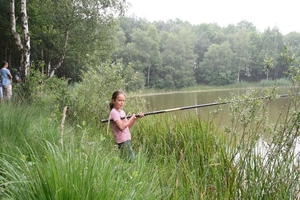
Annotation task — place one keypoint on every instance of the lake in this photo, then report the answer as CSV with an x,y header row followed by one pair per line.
x,y
157,102
182,99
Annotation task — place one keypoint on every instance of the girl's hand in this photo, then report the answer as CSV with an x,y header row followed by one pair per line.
x,y
140,115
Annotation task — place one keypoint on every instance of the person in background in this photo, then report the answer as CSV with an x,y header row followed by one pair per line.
x,y
6,80
18,75
121,125
1,90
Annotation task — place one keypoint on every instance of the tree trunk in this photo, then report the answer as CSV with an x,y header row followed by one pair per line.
x,y
148,76
239,71
63,54
22,42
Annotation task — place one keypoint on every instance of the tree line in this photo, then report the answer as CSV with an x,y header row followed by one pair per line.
x,y
67,37
176,54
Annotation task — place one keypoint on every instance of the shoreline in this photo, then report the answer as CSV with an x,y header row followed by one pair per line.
x,y
202,90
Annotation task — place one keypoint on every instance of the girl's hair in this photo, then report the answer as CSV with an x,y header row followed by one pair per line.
x,y
114,97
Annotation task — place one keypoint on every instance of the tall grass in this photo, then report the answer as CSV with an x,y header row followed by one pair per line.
x,y
76,175
177,158
21,124
34,166
192,156
184,158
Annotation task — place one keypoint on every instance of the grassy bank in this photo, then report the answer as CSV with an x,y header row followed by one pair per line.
x,y
261,84
176,159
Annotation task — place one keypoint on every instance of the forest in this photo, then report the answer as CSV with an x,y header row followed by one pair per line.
x,y
69,37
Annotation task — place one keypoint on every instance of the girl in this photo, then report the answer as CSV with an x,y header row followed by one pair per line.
x,y
121,125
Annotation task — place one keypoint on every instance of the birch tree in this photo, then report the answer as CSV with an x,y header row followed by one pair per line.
x,y
22,39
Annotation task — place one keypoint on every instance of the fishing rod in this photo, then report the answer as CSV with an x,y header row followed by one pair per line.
x,y
172,110
188,107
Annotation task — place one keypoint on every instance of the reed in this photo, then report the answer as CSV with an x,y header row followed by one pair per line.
x,y
176,158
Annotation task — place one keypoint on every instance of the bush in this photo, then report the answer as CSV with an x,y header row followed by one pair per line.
x,y
89,98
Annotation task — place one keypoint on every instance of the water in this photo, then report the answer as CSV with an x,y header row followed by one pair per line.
x,y
277,109
183,99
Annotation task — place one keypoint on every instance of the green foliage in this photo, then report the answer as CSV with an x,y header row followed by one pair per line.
x,y
134,80
269,64
278,83
169,54
182,48
292,40
43,91
178,58
39,90
65,32
217,67
165,58
90,98
241,46
292,66
142,53
206,35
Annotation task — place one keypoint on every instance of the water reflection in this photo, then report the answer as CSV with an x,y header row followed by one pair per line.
x,y
183,99
262,149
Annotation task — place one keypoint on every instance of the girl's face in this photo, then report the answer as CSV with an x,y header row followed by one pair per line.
x,y
119,102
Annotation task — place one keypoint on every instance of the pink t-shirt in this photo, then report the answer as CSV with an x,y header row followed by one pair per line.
x,y
120,136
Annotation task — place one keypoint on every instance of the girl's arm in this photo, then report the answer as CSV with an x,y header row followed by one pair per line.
x,y
134,119
122,124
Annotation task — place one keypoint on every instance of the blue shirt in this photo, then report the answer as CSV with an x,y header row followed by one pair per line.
x,y
4,76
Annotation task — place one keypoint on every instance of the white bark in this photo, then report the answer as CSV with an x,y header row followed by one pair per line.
x,y
13,25
22,41
63,54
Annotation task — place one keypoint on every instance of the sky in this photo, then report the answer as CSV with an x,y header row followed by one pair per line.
x,y
261,13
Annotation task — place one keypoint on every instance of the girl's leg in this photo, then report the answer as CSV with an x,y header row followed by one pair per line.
x,y
126,151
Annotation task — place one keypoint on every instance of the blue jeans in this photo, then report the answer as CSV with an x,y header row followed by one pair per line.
x,y
126,150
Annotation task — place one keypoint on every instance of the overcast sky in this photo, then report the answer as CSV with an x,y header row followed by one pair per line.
x,y
262,13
